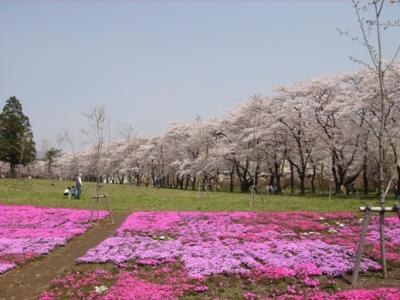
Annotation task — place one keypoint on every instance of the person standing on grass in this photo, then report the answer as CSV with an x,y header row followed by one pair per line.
x,y
78,186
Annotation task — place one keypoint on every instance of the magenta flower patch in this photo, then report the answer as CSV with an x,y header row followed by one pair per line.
x,y
27,232
184,255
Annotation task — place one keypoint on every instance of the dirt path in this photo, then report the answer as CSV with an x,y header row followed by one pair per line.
x,y
28,282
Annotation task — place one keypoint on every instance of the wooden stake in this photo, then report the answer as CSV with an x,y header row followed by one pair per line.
x,y
382,238
95,202
109,209
361,247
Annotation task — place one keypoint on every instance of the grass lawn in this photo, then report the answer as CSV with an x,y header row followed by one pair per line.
x,y
127,198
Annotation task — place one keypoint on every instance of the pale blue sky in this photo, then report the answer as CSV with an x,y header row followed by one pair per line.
x,y
151,62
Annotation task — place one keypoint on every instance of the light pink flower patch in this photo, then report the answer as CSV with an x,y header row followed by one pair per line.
x,y
295,244
6,266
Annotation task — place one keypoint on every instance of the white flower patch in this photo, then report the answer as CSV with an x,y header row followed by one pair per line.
x,y
100,289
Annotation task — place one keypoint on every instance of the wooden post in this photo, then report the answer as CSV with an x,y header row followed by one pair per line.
x,y
198,190
97,208
382,240
95,202
381,210
251,196
91,210
262,198
361,246
109,209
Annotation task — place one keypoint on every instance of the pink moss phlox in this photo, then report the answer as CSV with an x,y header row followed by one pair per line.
x,y
266,272
382,293
232,243
4,267
129,287
310,282
76,285
364,294
200,288
308,269
249,296
27,232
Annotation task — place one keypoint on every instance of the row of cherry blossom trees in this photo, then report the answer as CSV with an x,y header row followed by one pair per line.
x,y
307,135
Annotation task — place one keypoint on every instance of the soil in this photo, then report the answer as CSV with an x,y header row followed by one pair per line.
x,y
28,281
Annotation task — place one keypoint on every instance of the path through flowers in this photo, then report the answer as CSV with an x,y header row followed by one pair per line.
x,y
27,232
170,255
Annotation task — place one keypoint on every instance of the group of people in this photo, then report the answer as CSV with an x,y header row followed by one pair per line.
x,y
273,189
349,190
74,192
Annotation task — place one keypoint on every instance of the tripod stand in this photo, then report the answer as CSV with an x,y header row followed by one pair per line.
x,y
96,198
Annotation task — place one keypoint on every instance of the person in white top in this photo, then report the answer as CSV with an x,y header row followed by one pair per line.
x,y
78,186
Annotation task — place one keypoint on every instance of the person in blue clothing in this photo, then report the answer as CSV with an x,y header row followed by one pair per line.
x,y
158,182
72,192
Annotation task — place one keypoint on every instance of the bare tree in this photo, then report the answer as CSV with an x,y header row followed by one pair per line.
x,y
64,137
372,24
95,132
97,126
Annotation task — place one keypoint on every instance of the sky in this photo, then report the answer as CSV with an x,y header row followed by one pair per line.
x,y
152,62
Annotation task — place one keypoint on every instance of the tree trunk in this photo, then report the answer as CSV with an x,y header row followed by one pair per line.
x,y
277,176
231,180
256,175
302,177
321,184
272,178
244,181
291,178
168,186
365,175
313,180
13,172
245,186
397,191
187,181
336,174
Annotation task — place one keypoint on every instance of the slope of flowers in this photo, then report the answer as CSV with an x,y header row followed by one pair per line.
x,y
126,284
27,232
242,242
295,255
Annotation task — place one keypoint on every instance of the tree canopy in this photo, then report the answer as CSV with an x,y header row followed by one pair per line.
x,y
16,137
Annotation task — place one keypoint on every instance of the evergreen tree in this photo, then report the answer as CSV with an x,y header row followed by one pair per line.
x,y
16,137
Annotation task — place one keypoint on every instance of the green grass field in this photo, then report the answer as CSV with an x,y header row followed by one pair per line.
x,y
131,198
